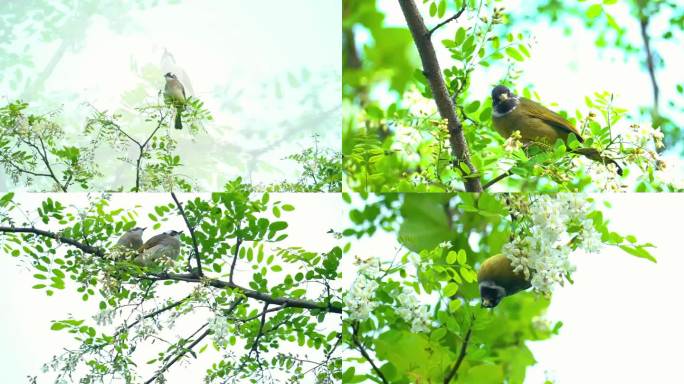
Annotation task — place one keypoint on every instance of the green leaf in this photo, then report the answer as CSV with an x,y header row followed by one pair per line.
x,y
513,53
58,326
450,289
638,252
594,11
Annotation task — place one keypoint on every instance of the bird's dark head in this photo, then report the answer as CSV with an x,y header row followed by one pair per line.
x,y
491,293
169,76
504,100
138,229
173,233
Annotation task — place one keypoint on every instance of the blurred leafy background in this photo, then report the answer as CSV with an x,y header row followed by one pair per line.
x,y
268,72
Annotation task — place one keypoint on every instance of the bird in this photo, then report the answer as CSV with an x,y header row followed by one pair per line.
x,y
174,94
167,63
497,280
536,123
159,249
132,239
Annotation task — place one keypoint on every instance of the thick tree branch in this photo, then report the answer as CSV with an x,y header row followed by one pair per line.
x,y
256,295
191,228
190,277
461,356
433,73
83,247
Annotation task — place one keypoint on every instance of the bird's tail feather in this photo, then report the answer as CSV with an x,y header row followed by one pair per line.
x,y
179,123
594,154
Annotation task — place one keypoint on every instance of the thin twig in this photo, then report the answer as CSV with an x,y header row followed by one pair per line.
x,y
452,18
650,62
461,356
497,179
238,242
192,236
180,355
365,354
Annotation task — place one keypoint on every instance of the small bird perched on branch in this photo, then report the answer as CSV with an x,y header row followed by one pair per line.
x,y
174,94
158,249
536,123
497,280
131,239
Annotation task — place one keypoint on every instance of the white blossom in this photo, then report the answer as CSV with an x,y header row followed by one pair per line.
x,y
220,331
542,253
105,317
412,311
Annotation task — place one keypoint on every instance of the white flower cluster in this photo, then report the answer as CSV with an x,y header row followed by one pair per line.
x,y
220,331
542,254
603,176
359,301
419,105
641,136
413,312
105,317
513,142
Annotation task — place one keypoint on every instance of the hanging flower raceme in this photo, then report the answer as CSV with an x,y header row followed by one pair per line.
x,y
550,228
359,301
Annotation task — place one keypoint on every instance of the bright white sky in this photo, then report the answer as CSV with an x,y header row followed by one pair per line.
x,y
241,47
28,342
622,316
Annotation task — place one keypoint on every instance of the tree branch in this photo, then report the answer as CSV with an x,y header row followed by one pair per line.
x,y
255,345
461,356
650,62
190,277
497,179
433,73
154,313
83,247
443,23
178,356
191,346
256,295
364,353
192,236
238,242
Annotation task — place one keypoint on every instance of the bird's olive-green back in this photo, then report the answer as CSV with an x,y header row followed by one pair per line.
x,y
498,269
535,122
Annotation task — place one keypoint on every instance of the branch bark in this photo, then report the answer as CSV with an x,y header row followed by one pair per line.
x,y
190,277
461,356
256,295
433,73
364,353
650,62
192,236
83,247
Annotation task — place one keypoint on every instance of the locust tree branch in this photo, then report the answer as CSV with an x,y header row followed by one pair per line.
x,y
191,228
445,106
